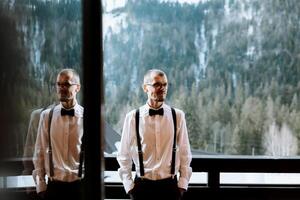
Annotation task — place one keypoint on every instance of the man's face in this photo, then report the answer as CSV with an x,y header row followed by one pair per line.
x,y
157,89
66,89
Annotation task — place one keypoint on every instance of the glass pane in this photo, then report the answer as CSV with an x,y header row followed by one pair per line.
x,y
38,39
46,37
233,67
260,178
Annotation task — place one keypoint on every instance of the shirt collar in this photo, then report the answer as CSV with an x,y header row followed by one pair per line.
x,y
78,109
147,107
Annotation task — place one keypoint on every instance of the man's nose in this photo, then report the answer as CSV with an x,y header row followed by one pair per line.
x,y
163,89
62,89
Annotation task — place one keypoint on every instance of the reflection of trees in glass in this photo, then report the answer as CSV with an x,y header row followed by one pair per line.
x,y
15,86
228,63
44,36
280,142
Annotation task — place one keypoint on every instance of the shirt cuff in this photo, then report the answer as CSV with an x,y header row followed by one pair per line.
x,y
183,183
41,186
128,185
39,181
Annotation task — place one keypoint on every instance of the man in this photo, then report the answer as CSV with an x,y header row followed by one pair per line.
x,y
58,144
148,139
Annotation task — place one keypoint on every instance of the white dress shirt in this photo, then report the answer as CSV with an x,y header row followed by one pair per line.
x,y
66,132
157,135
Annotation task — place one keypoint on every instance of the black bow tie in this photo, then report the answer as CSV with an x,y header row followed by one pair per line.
x,y
64,112
156,112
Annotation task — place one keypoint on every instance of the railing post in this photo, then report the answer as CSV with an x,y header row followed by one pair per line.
x,y
213,181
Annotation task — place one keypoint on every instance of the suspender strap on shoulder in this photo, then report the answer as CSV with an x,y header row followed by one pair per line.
x,y
140,153
174,142
138,141
50,146
51,167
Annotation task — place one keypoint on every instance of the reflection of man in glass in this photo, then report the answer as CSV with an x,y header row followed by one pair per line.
x,y
30,140
158,154
58,143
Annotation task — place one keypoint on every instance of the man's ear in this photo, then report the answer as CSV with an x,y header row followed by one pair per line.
x,y
78,88
145,88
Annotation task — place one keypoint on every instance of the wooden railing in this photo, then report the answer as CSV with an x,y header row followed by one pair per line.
x,y
213,166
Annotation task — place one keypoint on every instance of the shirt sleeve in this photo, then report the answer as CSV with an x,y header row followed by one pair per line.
x,y
39,171
31,133
30,141
185,154
124,156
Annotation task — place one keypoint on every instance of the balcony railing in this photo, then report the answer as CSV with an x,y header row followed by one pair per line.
x,y
221,173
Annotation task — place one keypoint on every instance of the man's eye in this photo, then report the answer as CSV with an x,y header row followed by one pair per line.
x,y
63,84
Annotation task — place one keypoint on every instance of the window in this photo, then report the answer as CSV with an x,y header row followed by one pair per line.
x,y
47,38
233,67
39,38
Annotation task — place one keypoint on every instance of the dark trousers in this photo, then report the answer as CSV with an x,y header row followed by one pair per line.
x,y
165,189
57,190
